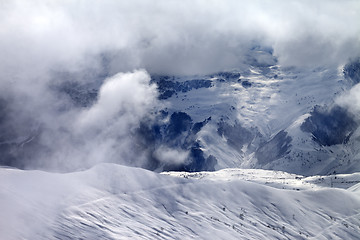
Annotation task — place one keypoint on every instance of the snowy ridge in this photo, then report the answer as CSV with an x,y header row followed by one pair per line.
x,y
276,179
116,202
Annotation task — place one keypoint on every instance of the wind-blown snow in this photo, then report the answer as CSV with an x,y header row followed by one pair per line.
x,y
116,202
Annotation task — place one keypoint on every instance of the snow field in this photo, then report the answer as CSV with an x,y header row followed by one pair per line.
x,y
116,202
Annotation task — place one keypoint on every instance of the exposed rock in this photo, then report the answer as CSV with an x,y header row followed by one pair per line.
x,y
274,149
352,71
178,134
330,127
236,135
167,88
246,84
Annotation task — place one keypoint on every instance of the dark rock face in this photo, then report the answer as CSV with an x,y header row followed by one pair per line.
x,y
236,136
199,163
226,76
352,71
330,127
167,86
246,84
274,149
199,125
178,134
179,122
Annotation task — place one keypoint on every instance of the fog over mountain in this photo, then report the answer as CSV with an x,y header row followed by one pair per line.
x,y
168,37
263,94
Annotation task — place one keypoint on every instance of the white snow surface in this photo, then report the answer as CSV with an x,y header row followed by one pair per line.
x,y
111,201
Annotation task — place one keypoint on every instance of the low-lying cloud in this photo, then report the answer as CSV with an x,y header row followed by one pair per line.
x,y
351,101
171,156
79,138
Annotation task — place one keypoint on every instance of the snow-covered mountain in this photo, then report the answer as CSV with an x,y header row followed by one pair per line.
x,y
179,119
117,202
217,134
264,116
233,125
261,115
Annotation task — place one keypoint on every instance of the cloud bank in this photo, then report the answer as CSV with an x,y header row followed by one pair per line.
x,y
92,40
174,36
78,138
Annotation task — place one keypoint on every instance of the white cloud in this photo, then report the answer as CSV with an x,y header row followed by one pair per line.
x,y
122,97
351,100
170,156
174,36
104,130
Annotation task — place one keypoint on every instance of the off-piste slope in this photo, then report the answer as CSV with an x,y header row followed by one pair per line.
x,y
116,202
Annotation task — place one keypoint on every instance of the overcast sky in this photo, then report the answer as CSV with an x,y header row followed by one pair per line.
x,y
174,36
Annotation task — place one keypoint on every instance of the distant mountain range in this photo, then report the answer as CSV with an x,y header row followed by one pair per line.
x,y
260,116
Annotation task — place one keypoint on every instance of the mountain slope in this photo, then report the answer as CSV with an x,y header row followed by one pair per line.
x,y
270,117
261,115
116,202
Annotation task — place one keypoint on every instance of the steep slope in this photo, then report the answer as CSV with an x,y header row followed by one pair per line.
x,y
116,202
271,117
261,115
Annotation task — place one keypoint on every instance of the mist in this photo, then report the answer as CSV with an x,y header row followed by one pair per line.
x,y
117,45
173,37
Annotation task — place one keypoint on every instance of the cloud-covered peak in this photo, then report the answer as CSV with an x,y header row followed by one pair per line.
x,y
175,37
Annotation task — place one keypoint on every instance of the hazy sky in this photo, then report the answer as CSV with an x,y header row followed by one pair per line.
x,y
174,36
